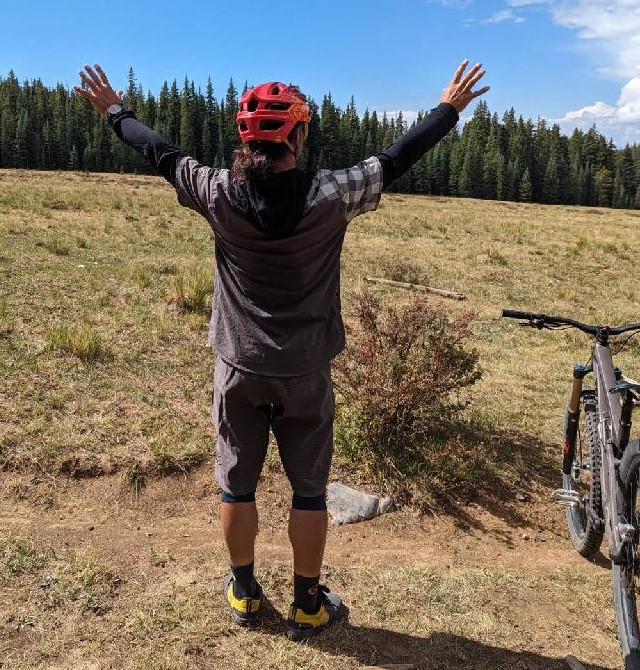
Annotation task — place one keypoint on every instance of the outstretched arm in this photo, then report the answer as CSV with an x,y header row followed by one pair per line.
x,y
406,151
161,154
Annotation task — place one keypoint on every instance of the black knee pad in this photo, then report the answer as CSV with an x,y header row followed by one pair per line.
x,y
230,498
309,504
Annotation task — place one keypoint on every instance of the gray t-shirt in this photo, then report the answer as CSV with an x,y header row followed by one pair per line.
x,y
276,303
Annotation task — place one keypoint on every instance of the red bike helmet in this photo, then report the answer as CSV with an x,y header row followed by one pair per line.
x,y
269,112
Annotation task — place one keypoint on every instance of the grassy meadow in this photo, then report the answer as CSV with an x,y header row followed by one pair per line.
x,y
103,350
105,369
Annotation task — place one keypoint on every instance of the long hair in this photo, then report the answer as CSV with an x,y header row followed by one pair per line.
x,y
254,161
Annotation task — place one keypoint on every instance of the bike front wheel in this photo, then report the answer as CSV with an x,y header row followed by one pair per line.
x,y
584,518
625,574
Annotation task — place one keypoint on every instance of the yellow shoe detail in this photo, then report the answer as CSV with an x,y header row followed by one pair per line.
x,y
320,618
243,605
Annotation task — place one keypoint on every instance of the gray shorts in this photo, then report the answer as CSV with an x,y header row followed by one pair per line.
x,y
299,411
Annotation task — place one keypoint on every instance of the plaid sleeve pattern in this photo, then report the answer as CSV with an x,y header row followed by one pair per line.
x,y
359,187
195,185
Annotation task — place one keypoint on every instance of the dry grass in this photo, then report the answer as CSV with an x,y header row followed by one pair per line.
x,y
560,260
68,613
95,363
113,260
102,252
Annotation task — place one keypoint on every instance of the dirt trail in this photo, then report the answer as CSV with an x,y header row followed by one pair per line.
x,y
176,517
107,519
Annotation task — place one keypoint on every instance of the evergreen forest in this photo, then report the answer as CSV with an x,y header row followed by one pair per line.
x,y
503,158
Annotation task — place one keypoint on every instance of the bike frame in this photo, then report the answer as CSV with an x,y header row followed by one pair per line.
x,y
609,431
608,408
614,404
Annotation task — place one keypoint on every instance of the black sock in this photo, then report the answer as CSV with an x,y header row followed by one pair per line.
x,y
305,593
243,581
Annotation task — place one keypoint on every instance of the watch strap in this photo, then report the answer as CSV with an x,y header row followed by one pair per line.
x,y
113,115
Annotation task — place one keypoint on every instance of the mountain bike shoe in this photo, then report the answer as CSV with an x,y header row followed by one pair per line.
x,y
301,625
243,610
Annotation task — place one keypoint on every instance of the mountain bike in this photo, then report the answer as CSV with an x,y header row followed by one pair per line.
x,y
601,468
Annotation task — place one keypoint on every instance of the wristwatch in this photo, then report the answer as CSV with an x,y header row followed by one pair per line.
x,y
114,111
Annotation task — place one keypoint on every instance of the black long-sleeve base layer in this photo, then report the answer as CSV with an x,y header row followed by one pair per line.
x,y
410,148
395,160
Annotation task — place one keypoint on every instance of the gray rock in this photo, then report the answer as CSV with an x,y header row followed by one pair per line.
x,y
347,505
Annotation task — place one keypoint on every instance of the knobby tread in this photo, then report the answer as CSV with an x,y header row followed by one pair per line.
x,y
587,538
623,575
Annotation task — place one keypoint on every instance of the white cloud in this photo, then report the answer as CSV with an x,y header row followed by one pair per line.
x,y
499,17
612,29
598,110
621,122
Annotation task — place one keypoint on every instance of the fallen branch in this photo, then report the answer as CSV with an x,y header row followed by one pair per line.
x,y
574,663
417,287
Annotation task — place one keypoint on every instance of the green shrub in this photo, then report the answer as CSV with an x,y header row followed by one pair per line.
x,y
401,383
401,269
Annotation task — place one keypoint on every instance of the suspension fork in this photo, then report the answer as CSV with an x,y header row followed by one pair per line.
x,y
573,417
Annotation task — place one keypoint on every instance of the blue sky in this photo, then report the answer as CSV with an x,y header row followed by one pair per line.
x,y
572,61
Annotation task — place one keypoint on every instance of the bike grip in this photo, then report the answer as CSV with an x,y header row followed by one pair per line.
x,y
516,314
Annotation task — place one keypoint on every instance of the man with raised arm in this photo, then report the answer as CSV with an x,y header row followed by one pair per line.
x,y
276,322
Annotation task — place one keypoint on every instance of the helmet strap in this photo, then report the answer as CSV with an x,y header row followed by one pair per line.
x,y
290,146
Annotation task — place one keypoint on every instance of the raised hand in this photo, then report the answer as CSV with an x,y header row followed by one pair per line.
x,y
98,90
459,91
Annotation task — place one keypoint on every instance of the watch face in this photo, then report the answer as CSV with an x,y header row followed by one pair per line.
x,y
114,109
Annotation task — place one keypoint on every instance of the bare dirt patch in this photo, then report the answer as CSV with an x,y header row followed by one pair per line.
x,y
493,585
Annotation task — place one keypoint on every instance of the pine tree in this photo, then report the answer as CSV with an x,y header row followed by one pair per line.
x,y
330,143
492,164
174,105
604,187
626,179
550,186
187,131
74,161
229,126
210,126
526,187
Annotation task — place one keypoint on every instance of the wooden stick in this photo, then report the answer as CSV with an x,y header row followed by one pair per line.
x,y
417,287
574,663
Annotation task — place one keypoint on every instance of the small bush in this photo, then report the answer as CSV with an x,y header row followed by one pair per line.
x,y
401,382
80,341
401,269
55,246
192,289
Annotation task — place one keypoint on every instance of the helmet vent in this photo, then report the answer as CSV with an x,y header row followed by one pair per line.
x,y
275,90
281,106
252,105
243,126
271,125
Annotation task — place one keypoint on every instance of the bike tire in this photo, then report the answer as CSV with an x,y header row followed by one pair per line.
x,y
586,533
625,574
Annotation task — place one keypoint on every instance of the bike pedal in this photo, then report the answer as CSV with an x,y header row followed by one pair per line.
x,y
566,497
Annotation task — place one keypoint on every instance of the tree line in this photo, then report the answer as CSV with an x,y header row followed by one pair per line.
x,y
504,158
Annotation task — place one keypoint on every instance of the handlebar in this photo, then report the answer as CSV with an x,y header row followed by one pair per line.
x,y
536,320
